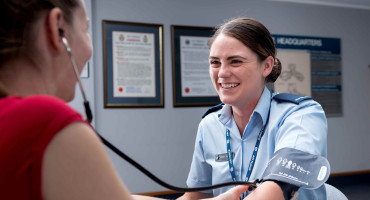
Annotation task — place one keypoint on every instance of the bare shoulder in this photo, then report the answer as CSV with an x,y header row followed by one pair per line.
x,y
76,166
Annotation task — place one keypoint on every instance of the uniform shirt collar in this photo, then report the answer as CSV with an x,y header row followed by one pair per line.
x,y
263,105
225,116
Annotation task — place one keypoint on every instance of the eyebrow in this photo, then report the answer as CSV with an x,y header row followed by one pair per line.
x,y
228,58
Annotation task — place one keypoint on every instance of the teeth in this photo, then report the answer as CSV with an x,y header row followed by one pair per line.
x,y
229,85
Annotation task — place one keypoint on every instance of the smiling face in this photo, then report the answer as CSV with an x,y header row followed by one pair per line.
x,y
236,72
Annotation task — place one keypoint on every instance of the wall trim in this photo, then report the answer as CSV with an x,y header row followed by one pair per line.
x,y
355,5
350,173
349,178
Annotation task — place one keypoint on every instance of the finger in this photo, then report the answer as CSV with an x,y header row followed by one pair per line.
x,y
240,189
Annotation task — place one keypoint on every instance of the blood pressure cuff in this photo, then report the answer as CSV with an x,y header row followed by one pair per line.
x,y
289,190
297,168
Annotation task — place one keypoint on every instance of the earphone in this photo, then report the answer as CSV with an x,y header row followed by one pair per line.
x,y
61,32
64,40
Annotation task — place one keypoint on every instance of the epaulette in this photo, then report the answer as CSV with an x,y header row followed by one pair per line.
x,y
292,98
213,109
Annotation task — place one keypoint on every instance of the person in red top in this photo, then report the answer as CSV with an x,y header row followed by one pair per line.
x,y
47,151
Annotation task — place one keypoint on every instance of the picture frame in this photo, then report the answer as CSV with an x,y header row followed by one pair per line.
x,y
133,64
192,85
85,71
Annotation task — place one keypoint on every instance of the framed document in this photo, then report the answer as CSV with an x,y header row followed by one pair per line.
x,y
192,85
133,64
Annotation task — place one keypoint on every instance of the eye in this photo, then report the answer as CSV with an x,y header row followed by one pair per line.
x,y
214,62
236,61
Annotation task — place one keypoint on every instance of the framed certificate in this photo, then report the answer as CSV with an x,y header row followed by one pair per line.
x,y
192,85
133,64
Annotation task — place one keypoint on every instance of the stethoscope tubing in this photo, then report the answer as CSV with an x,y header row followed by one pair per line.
x,y
251,185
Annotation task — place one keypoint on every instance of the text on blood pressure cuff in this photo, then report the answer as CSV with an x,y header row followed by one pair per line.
x,y
297,168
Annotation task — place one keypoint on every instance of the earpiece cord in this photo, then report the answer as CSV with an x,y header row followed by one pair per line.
x,y
86,103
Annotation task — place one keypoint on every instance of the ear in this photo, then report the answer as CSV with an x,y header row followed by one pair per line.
x,y
268,64
56,23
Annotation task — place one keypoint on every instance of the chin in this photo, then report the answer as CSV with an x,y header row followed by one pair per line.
x,y
226,100
68,98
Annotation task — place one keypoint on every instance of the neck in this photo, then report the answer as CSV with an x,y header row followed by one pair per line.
x,y
243,113
241,118
3,92
22,79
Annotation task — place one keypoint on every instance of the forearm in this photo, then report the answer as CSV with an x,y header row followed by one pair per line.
x,y
141,197
195,195
266,191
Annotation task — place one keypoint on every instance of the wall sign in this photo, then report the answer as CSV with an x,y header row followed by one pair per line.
x,y
311,67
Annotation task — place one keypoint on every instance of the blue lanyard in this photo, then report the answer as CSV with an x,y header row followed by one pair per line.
x,y
254,155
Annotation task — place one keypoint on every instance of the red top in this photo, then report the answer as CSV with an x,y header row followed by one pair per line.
x,y
27,126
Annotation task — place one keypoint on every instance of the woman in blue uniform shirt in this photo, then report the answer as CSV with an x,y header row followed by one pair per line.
x,y
252,125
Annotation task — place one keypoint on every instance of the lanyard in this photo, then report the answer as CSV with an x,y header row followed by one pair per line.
x,y
254,155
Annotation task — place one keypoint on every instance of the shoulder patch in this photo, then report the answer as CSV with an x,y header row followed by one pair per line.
x,y
213,109
292,98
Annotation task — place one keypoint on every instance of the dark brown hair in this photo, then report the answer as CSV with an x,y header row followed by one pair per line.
x,y
17,20
255,36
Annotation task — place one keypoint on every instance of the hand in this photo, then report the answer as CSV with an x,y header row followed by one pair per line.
x,y
233,193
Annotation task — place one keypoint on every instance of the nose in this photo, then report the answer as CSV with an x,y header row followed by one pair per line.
x,y
224,71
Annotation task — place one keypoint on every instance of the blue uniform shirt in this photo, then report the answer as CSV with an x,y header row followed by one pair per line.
x,y
301,126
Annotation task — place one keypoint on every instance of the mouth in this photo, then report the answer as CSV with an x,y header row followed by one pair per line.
x,y
229,85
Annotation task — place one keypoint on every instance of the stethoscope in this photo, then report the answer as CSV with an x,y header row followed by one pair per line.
x,y
89,116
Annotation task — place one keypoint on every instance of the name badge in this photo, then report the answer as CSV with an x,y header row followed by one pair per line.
x,y
223,157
